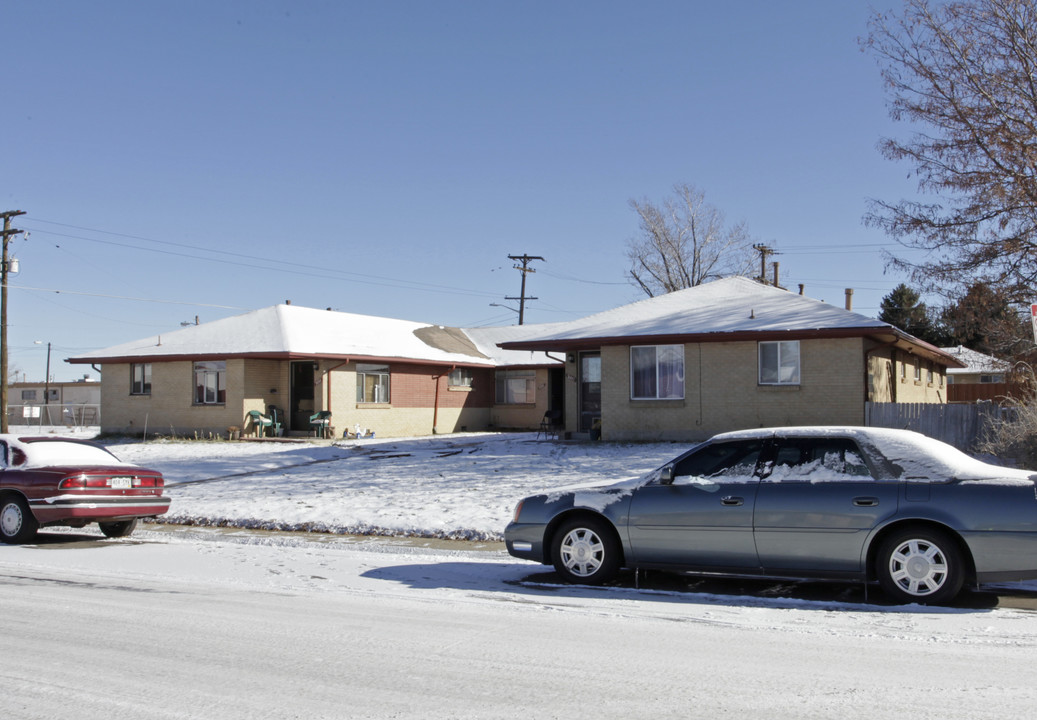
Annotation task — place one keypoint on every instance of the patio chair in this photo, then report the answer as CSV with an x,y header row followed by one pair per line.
x,y
320,423
275,418
551,424
260,422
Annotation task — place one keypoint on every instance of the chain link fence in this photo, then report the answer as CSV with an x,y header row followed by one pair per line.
x,y
76,415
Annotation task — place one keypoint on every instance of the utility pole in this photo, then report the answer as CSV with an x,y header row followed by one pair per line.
x,y
524,269
8,233
765,252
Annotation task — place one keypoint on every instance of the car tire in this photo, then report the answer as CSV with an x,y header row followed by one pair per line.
x,y
17,523
920,565
122,528
585,550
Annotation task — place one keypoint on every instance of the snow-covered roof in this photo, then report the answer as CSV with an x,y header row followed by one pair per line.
x,y
284,331
975,362
728,309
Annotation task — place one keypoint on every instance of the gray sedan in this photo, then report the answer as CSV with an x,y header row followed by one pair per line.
x,y
856,504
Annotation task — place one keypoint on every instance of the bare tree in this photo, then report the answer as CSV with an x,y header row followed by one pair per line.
x,y
964,75
684,242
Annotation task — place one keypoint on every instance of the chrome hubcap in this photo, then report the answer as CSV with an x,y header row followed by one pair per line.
x,y
918,567
10,519
582,552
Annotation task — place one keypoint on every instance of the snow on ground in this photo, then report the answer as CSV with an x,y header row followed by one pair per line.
x,y
457,486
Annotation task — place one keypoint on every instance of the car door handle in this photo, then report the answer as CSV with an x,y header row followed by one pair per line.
x,y
731,501
866,501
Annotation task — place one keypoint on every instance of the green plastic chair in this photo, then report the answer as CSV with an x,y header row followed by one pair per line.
x,y
260,422
320,422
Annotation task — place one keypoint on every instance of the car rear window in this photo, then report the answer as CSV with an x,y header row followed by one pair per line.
x,y
43,454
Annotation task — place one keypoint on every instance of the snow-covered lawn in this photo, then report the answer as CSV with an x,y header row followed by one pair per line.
x,y
457,486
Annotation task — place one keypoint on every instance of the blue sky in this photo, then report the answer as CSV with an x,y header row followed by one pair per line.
x,y
183,159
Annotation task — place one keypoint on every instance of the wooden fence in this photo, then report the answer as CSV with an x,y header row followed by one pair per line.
x,y
959,424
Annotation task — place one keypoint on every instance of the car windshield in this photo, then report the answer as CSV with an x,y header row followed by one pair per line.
x,y
50,452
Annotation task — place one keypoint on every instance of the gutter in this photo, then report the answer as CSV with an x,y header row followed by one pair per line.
x,y
435,402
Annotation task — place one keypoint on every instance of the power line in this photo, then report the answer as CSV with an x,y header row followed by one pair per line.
x,y
124,297
321,272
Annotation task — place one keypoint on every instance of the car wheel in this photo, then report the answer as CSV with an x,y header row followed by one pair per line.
x,y
920,565
17,523
118,529
585,550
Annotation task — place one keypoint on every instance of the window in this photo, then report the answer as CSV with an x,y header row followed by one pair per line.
x,y
779,363
460,378
991,378
372,383
657,372
819,460
210,382
918,370
29,395
731,462
140,379
516,387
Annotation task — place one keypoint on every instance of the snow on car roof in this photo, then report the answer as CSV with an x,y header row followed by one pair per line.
x,y
28,452
916,455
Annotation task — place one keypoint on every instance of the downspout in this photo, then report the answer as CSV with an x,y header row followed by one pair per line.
x,y
435,403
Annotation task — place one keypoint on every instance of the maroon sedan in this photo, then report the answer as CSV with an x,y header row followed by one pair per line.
x,y
58,481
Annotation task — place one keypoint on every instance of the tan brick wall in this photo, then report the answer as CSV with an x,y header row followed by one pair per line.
x,y
910,390
523,417
170,408
722,392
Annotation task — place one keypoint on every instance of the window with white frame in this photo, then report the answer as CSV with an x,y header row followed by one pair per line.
x,y
140,379
29,395
779,363
372,383
210,382
657,372
516,387
460,378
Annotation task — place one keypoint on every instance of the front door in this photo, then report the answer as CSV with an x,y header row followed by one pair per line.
x,y
302,394
590,390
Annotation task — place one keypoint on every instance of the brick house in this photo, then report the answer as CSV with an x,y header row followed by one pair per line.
x,y
393,377
728,355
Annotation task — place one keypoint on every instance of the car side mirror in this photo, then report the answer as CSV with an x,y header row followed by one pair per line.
x,y
666,475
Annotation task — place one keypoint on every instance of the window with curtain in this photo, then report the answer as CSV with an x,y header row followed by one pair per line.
x,y
657,372
372,383
516,387
210,382
779,363
140,379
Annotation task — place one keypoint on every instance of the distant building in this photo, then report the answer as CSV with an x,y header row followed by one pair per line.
x,y
54,403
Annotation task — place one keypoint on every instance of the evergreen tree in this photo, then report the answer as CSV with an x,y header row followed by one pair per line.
x,y
904,309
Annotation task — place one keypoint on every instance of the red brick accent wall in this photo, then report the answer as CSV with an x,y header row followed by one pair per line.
x,y
414,386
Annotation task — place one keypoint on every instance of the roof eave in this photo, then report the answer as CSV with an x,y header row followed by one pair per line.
x,y
183,357
888,335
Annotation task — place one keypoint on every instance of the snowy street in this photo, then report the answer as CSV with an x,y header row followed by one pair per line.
x,y
204,624
195,621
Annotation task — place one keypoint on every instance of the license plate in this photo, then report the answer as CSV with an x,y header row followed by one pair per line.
x,y
122,482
